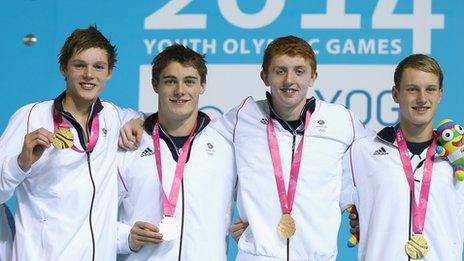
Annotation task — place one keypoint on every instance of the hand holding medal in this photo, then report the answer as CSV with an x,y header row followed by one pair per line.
x,y
143,233
34,146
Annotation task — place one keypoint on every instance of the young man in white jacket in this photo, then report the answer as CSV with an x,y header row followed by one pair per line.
x,y
60,158
177,187
284,139
409,203
6,232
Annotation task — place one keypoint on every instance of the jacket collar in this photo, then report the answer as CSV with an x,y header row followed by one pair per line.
x,y
58,105
310,106
202,121
388,134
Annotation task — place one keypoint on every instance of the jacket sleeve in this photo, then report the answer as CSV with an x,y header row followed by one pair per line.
x,y
125,114
6,236
359,130
348,193
129,114
227,124
123,229
123,238
460,204
11,143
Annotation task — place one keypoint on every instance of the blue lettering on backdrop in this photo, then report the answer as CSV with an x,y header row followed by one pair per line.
x,y
379,109
368,103
384,29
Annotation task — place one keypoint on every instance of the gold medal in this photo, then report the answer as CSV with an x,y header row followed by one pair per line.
x,y
286,227
63,138
417,246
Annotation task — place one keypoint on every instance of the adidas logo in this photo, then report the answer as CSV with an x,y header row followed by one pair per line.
x,y
381,151
146,152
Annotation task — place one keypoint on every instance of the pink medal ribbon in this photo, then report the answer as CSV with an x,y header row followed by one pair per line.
x,y
94,130
286,199
418,210
169,204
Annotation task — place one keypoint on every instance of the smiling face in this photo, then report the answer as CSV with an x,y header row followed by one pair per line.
x,y
418,96
178,89
289,78
86,74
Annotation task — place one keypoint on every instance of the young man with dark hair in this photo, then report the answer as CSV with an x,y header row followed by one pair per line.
x,y
409,203
177,187
64,174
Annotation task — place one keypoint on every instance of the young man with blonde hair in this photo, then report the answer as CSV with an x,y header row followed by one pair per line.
x,y
409,203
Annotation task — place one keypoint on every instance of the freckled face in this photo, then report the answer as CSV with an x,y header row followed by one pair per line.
x,y
289,79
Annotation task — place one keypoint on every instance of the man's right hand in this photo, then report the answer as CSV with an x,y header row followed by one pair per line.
x,y
34,146
143,233
130,135
237,229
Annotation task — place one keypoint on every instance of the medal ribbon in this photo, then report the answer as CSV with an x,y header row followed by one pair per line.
x,y
286,199
169,204
94,130
418,210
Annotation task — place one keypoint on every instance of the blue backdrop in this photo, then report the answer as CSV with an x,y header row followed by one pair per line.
x,y
349,36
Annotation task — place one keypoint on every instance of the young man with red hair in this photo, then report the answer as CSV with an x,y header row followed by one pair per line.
x,y
289,152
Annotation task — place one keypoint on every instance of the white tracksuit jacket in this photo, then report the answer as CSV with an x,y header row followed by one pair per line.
x,y
59,202
205,200
6,234
316,208
382,197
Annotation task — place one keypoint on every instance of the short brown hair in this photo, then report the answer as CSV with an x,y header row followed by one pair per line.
x,y
419,62
83,39
181,54
292,46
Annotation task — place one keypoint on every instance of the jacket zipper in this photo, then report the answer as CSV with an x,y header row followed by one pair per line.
x,y
84,146
294,133
179,257
91,206
93,185
182,222
183,200
410,196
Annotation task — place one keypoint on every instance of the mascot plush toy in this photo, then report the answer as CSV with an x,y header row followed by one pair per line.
x,y
451,145
354,239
